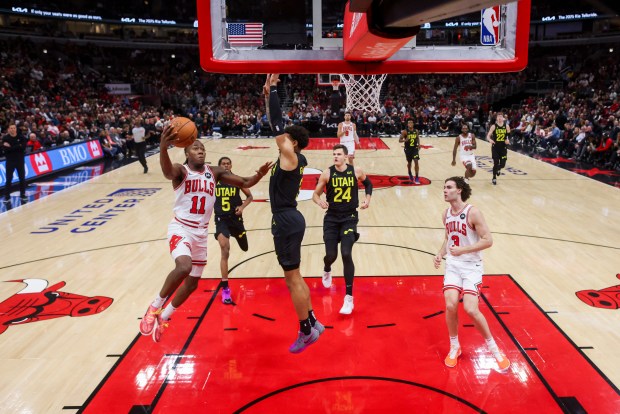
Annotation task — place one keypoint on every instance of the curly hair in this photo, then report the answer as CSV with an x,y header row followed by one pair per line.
x,y
299,134
462,185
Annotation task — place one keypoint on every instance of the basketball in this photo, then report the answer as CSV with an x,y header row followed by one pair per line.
x,y
186,131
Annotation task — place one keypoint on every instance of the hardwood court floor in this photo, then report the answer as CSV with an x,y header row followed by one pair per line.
x,y
555,233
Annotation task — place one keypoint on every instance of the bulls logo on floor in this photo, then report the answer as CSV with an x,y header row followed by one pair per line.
x,y
379,181
608,298
37,302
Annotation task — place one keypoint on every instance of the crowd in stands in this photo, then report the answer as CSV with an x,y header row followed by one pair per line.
x,y
57,96
580,121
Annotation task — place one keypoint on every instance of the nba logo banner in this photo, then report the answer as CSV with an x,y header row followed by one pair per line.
x,y
489,26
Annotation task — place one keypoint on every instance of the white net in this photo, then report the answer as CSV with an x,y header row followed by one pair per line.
x,y
363,91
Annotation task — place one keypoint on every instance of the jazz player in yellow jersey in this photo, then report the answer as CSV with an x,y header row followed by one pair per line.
x,y
498,137
340,222
228,211
411,138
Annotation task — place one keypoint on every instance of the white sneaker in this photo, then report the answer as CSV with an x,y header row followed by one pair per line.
x,y
347,306
327,279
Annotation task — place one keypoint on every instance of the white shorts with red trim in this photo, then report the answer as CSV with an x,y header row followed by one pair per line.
x,y
350,147
465,277
186,241
469,159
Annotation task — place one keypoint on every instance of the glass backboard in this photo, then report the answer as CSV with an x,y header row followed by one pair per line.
x,y
308,36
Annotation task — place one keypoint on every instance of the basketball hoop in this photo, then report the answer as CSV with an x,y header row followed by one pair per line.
x,y
363,91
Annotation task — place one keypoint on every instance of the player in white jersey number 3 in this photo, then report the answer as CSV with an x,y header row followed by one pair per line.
x,y
194,187
467,234
347,132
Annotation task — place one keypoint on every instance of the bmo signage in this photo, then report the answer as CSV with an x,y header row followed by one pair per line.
x,y
56,159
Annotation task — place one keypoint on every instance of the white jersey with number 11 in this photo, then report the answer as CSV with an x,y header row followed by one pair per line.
x,y
195,198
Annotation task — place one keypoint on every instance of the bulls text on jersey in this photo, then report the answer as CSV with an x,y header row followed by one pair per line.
x,y
199,186
454,226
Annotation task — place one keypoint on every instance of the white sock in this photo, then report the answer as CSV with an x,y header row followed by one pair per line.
x,y
454,341
492,345
168,312
158,302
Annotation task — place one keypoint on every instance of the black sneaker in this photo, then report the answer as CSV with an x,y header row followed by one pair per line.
x,y
494,181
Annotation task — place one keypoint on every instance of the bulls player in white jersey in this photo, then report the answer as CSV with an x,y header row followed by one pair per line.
x,y
466,143
467,234
347,132
194,187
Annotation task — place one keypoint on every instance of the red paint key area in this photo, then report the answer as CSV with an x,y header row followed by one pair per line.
x,y
385,357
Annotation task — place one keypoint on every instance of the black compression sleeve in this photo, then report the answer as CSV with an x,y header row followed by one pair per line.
x,y
367,185
275,112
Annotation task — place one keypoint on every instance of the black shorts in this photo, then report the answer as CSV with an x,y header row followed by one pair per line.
x,y
412,154
499,152
337,226
288,228
229,225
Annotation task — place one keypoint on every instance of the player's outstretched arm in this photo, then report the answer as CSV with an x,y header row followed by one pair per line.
x,y
474,145
320,187
171,171
266,94
242,182
274,112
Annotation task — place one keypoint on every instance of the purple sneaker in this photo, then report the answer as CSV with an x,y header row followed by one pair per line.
x,y
319,327
226,299
303,341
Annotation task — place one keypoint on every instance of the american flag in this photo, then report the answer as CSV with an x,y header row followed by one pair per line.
x,y
245,34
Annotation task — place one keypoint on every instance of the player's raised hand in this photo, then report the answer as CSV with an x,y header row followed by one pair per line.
x,y
274,78
266,86
264,169
168,136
